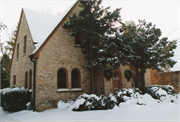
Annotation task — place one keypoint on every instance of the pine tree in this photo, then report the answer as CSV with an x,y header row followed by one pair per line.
x,y
149,51
6,58
2,27
101,47
11,41
5,70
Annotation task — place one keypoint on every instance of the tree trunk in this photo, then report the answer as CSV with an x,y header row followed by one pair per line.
x,y
137,79
142,78
91,70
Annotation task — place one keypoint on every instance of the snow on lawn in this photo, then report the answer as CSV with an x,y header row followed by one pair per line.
x,y
151,110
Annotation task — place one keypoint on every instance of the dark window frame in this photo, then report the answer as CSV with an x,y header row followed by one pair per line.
x,y
79,78
66,78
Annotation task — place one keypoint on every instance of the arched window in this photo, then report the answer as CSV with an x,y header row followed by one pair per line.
x,y
62,78
26,79
30,79
75,78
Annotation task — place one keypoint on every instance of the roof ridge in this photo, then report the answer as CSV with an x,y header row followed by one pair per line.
x,y
39,12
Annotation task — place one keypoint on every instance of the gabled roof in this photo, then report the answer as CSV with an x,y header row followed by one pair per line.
x,y
41,25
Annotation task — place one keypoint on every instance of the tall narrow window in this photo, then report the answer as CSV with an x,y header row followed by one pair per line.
x,y
25,38
75,78
26,79
30,79
14,80
62,78
78,39
17,50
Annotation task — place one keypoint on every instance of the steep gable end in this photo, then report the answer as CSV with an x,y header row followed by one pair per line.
x,y
40,25
59,21
23,47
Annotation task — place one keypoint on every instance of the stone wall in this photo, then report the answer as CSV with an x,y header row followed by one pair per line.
x,y
60,51
22,64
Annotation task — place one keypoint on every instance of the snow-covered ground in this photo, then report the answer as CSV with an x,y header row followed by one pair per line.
x,y
152,110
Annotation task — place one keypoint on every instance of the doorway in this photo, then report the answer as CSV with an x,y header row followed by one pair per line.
x,y
117,81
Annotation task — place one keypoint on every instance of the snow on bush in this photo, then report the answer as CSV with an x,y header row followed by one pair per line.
x,y
7,90
125,94
93,102
14,99
63,105
160,91
123,97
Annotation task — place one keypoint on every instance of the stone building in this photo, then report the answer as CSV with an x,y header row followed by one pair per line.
x,y
47,60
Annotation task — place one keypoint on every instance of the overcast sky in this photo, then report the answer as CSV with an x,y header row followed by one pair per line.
x,y
164,14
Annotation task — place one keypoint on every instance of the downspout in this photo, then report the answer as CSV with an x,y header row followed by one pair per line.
x,y
34,83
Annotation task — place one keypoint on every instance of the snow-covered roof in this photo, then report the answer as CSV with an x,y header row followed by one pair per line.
x,y
41,25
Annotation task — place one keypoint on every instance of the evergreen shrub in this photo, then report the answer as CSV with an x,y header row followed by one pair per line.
x,y
158,91
93,102
15,99
124,94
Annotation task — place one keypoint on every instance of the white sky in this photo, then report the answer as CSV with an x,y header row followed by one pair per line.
x,y
163,13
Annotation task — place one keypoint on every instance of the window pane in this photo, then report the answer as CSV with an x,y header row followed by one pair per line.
x,y
14,81
25,44
26,79
18,50
78,39
75,79
116,76
61,78
30,79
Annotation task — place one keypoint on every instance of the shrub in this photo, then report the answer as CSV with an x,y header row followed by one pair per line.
x,y
124,94
158,91
15,99
93,102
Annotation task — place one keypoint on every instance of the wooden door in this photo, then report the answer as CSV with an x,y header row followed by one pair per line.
x,y
117,84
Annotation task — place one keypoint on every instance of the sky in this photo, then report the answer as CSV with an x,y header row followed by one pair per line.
x,y
165,14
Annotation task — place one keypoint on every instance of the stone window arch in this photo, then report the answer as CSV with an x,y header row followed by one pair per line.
x,y
62,78
75,78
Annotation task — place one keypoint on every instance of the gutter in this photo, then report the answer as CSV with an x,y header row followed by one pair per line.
x,y
34,83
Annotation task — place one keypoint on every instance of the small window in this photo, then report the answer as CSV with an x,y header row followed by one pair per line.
x,y
17,50
26,79
75,78
30,79
14,80
80,39
62,78
116,76
25,38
